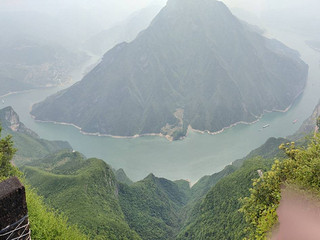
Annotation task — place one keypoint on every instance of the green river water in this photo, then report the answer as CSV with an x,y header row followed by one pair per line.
x,y
195,156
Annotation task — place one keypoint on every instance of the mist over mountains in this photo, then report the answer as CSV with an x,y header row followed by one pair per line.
x,y
196,64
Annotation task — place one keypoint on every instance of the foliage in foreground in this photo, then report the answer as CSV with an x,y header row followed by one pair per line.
x,y
301,169
44,222
85,190
218,216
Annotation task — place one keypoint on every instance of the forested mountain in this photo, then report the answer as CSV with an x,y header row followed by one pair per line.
x,y
153,208
85,190
29,145
106,204
43,222
196,64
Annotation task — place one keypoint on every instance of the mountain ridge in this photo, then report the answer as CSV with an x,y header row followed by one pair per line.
x,y
195,65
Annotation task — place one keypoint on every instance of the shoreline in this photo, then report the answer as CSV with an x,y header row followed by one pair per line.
x,y
32,89
168,137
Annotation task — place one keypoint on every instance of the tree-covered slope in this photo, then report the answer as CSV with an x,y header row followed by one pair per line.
x,y
44,222
152,207
29,144
196,64
213,209
85,190
299,173
122,177
218,216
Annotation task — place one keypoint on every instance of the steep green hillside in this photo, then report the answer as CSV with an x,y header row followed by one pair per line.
x,y
299,172
213,212
28,143
122,177
202,187
269,150
218,216
155,208
44,222
152,207
196,64
85,190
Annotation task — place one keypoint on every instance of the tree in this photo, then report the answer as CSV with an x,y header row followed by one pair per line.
x,y
301,171
7,152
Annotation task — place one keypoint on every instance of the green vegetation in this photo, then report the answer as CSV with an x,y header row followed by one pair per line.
x,y
6,154
218,216
122,177
202,187
106,204
213,209
28,143
48,224
301,170
269,150
207,70
85,190
152,207
44,222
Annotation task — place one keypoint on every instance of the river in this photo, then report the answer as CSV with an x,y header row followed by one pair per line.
x,y
195,156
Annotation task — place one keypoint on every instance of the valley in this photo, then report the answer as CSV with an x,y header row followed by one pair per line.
x,y
198,154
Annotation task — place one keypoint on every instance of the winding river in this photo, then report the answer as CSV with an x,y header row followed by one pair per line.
x,y
198,154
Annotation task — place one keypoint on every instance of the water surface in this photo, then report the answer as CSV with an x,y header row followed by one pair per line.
x,y
195,156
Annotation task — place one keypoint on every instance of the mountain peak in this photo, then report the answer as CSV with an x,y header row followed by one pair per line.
x,y
195,65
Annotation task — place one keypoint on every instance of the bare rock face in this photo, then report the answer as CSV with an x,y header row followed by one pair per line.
x,y
308,126
10,119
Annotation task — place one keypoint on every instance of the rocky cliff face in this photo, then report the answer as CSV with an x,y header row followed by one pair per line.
x,y
10,119
309,125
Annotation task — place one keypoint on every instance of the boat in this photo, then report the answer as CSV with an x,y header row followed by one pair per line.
x,y
2,101
265,126
294,121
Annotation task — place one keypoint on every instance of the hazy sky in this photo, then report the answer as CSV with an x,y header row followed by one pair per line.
x,y
110,11
103,14
254,6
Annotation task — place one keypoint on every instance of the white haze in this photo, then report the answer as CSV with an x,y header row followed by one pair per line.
x,y
67,22
72,22
301,16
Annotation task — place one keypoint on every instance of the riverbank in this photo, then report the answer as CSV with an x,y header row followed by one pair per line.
x,y
168,137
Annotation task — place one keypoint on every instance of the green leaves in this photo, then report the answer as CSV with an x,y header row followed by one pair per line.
x,y
300,170
6,154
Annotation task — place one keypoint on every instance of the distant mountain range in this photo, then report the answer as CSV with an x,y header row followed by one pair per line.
x,y
196,65
32,53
